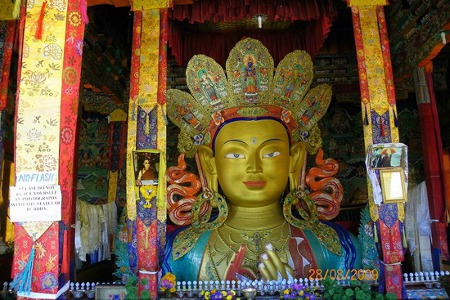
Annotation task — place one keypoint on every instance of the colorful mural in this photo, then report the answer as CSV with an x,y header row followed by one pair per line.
x,y
93,160
343,140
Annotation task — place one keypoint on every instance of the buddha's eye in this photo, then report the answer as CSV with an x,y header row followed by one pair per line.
x,y
234,156
272,154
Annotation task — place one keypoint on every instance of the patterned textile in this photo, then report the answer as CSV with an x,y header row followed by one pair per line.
x,y
389,214
117,152
118,144
378,100
391,280
69,101
146,130
37,148
150,280
386,53
47,104
391,242
94,227
427,294
146,5
131,145
7,33
367,2
143,110
132,245
381,129
132,111
46,259
147,245
442,239
393,253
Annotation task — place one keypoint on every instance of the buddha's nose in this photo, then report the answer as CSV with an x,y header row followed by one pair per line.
x,y
254,165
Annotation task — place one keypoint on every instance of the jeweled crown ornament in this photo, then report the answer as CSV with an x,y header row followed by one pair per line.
x,y
251,88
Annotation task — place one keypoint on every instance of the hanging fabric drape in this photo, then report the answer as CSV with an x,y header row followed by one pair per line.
x,y
314,20
94,229
232,10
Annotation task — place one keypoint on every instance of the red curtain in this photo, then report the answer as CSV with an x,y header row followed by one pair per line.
x,y
313,19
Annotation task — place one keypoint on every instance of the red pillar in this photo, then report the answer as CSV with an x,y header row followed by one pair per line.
x,y
433,161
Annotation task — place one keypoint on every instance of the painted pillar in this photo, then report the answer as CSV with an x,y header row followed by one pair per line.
x,y
147,130
380,126
433,160
51,45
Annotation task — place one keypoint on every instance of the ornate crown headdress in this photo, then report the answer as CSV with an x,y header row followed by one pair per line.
x,y
248,90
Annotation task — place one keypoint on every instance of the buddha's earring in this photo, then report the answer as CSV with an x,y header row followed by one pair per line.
x,y
216,201
301,202
186,239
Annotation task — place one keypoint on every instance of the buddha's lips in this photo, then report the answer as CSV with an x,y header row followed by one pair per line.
x,y
259,183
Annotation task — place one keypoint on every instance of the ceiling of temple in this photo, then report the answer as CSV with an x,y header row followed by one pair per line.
x,y
108,44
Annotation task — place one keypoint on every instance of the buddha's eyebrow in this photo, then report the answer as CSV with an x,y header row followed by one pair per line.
x,y
238,141
270,140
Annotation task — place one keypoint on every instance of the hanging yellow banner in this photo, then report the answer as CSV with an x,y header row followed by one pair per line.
x,y
367,2
144,87
150,4
38,125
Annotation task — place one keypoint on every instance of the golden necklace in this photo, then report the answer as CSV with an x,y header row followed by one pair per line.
x,y
227,240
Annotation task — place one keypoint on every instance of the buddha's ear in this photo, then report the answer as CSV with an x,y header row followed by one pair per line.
x,y
208,167
298,156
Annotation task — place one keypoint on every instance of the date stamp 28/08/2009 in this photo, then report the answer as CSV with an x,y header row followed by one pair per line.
x,y
341,274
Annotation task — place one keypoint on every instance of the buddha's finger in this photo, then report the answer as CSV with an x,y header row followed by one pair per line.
x,y
276,260
290,270
269,266
264,272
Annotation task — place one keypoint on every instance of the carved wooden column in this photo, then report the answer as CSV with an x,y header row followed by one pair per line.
x,y
380,126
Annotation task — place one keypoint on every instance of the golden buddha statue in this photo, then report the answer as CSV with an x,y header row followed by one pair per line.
x,y
250,147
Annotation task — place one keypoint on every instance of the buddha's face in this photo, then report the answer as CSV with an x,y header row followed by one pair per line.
x,y
252,161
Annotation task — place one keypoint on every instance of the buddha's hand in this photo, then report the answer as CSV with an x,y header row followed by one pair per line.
x,y
272,268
